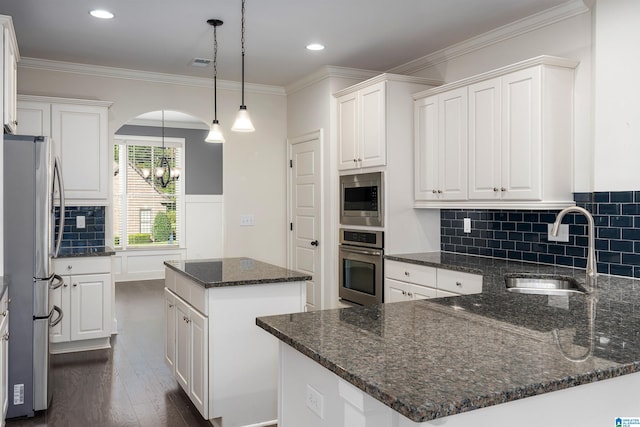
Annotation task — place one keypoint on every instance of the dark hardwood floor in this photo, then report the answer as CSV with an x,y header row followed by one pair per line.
x,y
128,385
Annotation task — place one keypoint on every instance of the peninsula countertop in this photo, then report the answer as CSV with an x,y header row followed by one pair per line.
x,y
433,358
212,273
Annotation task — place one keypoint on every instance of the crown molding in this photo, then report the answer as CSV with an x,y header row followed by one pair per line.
x,y
534,22
386,77
552,61
327,72
147,76
56,100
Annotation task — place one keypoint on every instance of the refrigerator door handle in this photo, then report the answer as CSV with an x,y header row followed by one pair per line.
x,y
56,285
58,319
57,171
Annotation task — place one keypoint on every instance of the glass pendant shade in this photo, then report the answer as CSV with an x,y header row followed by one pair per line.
x,y
243,121
215,133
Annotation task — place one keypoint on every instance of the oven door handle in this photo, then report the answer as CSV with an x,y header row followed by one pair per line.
x,y
360,251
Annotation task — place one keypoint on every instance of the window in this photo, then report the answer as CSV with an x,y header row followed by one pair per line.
x,y
145,213
145,220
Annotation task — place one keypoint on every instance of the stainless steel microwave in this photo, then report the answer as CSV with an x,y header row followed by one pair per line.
x,y
362,199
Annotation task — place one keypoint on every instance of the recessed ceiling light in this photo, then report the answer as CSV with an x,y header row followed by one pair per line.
x,y
315,46
102,14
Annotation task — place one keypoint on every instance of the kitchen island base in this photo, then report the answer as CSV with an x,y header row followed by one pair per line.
x,y
225,364
313,396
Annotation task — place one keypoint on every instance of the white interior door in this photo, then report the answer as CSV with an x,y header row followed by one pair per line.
x,y
306,210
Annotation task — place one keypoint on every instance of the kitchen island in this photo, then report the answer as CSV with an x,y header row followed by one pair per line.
x,y
223,362
489,359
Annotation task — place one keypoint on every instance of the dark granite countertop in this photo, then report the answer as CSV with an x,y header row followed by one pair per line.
x,y
432,358
84,251
234,272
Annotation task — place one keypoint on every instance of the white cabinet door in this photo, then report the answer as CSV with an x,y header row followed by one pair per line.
x,y
90,306
362,128
170,328
452,151
373,151
199,377
441,146
395,291
61,298
426,148
348,131
422,292
81,139
183,345
10,80
34,118
485,182
521,135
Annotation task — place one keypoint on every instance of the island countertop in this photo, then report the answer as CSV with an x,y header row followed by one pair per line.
x,y
433,358
212,273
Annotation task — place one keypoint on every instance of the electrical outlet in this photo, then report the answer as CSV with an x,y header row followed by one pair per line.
x,y
315,401
563,233
467,225
247,220
80,222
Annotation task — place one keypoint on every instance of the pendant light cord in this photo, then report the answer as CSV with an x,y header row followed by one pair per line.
x,y
242,43
215,73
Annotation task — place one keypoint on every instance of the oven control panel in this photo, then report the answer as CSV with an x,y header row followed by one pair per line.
x,y
372,239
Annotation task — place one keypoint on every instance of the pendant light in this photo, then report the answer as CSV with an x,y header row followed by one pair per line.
x,y
163,172
243,121
215,132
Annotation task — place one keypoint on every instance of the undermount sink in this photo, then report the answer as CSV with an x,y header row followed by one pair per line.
x,y
542,285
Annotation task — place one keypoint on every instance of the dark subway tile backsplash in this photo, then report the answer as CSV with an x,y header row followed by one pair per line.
x,y
522,234
92,235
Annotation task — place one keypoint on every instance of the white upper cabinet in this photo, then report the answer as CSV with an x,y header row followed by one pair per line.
x,y
79,129
508,146
10,58
362,128
441,146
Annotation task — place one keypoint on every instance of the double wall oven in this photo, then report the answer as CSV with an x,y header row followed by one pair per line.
x,y
361,250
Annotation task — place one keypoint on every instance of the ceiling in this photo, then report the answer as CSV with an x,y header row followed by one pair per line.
x,y
166,35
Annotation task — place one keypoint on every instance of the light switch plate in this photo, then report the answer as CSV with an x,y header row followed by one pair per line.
x,y
80,222
563,233
247,220
467,225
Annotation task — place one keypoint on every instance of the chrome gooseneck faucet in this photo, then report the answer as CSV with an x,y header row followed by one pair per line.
x,y
592,269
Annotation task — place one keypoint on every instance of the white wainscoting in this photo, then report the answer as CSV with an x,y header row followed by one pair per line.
x,y
204,234
204,231
138,264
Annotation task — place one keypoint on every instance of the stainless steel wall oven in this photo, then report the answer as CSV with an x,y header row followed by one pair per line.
x,y
361,264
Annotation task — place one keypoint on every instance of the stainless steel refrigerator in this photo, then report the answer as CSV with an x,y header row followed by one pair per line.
x,y
32,190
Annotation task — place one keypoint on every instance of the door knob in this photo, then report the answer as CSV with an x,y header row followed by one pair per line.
x,y
314,243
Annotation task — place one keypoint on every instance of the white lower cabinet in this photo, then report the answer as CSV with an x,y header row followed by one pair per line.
x,y
4,356
190,349
405,282
85,300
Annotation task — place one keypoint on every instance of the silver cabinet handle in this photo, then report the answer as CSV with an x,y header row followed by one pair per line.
x,y
439,191
409,294
4,313
170,305
65,285
69,267
434,191
355,161
406,273
75,285
6,336
503,189
495,189
459,284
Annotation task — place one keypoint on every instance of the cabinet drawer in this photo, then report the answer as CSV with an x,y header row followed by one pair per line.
x,y
170,278
412,273
458,282
82,265
192,293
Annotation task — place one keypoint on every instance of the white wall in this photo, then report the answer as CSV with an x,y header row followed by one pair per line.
x,y
254,173
565,32
617,87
